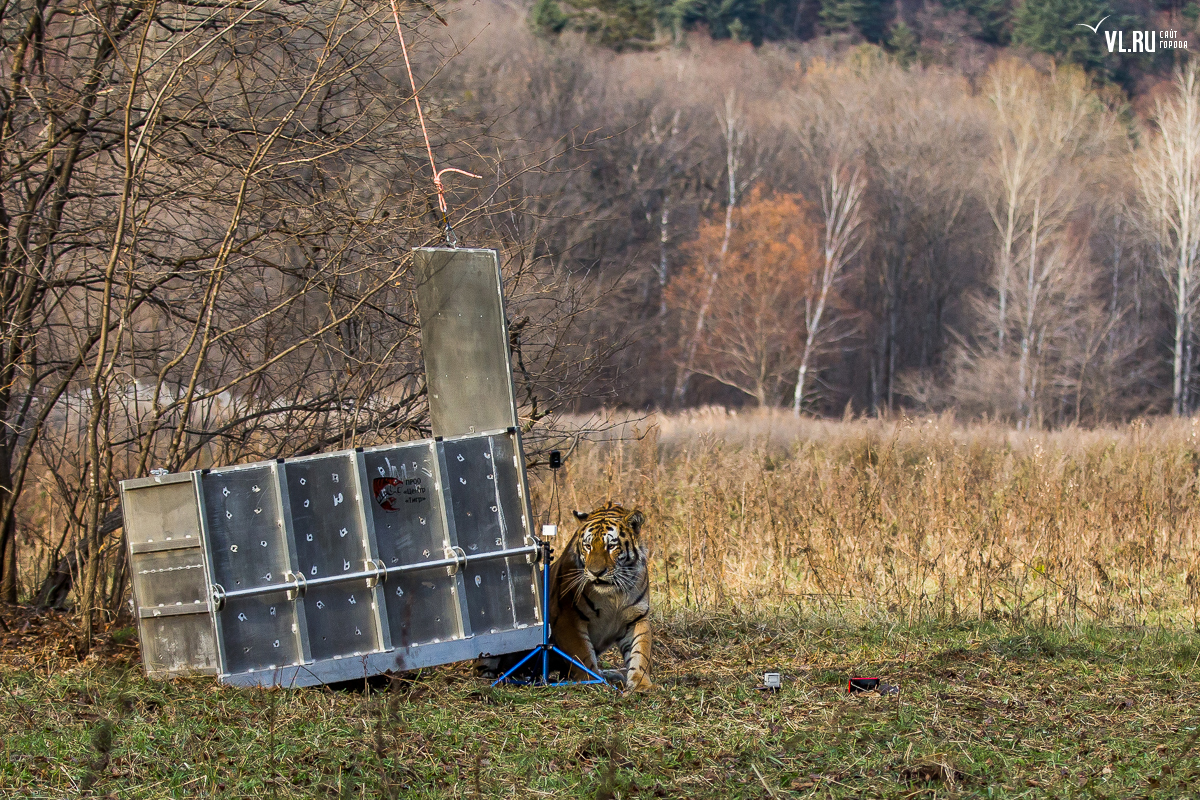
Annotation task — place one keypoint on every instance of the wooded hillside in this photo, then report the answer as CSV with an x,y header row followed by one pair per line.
x,y
986,219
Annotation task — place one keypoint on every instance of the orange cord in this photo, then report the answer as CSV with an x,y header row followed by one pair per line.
x,y
437,174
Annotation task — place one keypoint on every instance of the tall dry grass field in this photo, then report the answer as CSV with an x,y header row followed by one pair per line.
x,y
905,520
799,547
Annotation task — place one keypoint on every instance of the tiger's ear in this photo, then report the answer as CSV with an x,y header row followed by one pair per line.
x,y
580,515
635,520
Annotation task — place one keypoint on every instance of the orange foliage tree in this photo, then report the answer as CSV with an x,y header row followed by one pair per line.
x,y
744,287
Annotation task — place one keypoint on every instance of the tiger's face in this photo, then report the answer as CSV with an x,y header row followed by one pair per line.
x,y
608,547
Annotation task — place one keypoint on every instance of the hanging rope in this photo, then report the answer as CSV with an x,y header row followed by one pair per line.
x,y
437,174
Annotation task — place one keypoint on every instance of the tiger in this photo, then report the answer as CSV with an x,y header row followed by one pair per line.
x,y
600,594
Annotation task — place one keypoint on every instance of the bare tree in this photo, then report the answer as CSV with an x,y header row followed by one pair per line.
x,y
733,133
1049,135
218,300
841,208
1168,172
1017,171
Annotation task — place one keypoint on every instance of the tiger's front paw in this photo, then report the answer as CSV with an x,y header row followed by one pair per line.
x,y
638,682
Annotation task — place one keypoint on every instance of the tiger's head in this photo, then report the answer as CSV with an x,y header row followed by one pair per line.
x,y
608,546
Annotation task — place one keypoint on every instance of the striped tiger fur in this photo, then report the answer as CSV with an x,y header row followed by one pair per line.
x,y
600,593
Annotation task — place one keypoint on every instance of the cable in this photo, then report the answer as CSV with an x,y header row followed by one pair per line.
x,y
437,174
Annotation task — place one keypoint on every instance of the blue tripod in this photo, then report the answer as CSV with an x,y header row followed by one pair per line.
x,y
545,648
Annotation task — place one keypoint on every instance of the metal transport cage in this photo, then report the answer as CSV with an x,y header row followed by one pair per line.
x,y
342,565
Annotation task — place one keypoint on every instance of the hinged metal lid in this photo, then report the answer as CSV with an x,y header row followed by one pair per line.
x,y
464,340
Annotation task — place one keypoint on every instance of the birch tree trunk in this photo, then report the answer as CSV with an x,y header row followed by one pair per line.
x,y
1168,172
733,131
841,207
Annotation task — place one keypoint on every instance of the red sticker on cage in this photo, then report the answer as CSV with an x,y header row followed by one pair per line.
x,y
389,493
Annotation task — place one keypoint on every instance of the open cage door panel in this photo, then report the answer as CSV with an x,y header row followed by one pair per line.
x,y
464,340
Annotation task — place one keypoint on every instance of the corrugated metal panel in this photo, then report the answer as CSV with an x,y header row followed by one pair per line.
x,y
319,578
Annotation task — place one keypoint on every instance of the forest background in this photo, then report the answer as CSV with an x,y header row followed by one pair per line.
x,y
838,207
856,205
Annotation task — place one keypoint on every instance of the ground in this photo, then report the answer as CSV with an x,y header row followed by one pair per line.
x,y
983,710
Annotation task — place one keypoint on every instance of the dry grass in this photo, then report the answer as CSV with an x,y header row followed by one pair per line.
x,y
908,520
1028,593
984,710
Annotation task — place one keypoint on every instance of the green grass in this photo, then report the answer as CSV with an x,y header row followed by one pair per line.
x,y
983,711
